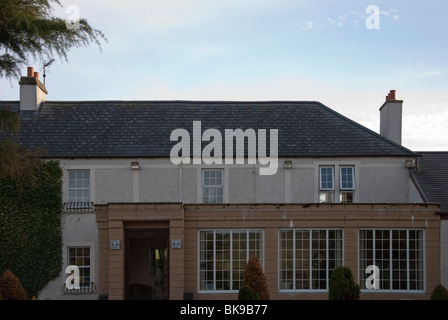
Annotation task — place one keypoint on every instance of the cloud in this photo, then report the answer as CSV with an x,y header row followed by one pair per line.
x,y
426,131
308,26
431,73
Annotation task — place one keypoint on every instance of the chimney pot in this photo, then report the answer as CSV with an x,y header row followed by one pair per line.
x,y
392,94
30,72
36,75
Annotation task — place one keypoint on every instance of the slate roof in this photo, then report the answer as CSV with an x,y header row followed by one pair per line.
x,y
432,177
143,128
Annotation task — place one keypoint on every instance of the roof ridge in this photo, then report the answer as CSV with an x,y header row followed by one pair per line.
x,y
186,101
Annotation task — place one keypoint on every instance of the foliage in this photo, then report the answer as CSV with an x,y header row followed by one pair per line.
x,y
11,288
30,225
255,278
28,28
342,285
246,293
439,293
18,163
9,121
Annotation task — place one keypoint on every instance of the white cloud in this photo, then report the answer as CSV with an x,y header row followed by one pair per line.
x,y
431,73
308,26
426,131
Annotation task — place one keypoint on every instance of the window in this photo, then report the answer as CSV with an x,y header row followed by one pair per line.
x,y
329,190
213,186
223,255
79,188
326,184
307,257
398,254
80,257
347,184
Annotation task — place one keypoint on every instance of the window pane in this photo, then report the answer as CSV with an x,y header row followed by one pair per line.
x,y
397,253
307,257
224,255
326,196
79,188
346,196
80,257
347,178
326,178
213,186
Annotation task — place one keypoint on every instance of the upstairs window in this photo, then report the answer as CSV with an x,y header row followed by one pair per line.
x,y
336,182
347,184
326,184
79,188
213,186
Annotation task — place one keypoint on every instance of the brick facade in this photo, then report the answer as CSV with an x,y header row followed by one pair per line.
x,y
185,220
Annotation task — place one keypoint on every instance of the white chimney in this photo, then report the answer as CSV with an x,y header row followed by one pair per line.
x,y
390,118
32,91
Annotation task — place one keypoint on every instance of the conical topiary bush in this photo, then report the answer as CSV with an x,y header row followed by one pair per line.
x,y
255,278
11,288
439,293
342,285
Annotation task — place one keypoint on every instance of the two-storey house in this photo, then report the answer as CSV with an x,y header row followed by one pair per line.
x,y
169,199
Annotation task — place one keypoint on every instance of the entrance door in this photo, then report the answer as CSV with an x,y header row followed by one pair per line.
x,y
146,266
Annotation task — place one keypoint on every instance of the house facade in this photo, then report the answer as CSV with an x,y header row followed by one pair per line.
x,y
169,199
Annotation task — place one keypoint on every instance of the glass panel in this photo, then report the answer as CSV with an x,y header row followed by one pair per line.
x,y
224,255
347,178
326,178
326,196
397,254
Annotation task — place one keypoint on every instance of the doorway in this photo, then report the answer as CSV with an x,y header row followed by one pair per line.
x,y
147,264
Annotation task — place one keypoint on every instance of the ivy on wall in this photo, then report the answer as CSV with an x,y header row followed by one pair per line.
x,y
30,226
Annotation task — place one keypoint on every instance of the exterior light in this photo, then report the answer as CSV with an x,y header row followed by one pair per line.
x,y
135,165
410,163
288,164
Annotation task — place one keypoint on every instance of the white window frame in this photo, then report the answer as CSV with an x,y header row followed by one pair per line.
x,y
248,250
363,263
343,190
220,186
327,192
312,266
340,178
335,194
320,178
66,261
75,203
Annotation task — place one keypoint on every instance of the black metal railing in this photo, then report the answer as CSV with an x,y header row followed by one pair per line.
x,y
77,207
87,289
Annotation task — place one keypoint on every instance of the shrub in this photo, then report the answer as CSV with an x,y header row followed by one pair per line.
x,y
439,293
342,285
11,288
30,221
246,293
255,278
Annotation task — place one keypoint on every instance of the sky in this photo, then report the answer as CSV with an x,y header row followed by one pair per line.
x,y
346,54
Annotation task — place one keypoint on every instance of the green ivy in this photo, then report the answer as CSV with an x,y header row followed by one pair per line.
x,y
30,227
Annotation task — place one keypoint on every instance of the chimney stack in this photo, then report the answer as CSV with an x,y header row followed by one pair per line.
x,y
32,92
391,117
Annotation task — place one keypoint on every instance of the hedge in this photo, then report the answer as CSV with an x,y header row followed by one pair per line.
x,y
30,227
